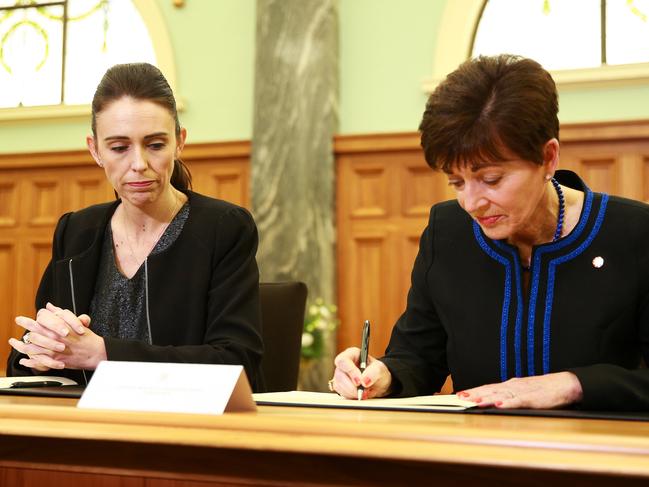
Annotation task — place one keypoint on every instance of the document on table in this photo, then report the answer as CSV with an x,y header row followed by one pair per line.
x,y
437,402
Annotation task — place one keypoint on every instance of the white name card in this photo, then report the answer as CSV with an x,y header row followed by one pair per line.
x,y
169,388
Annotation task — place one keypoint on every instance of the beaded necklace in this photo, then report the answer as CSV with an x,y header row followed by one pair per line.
x,y
562,210
560,216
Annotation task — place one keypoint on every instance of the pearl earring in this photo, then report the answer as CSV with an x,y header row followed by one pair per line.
x,y
548,177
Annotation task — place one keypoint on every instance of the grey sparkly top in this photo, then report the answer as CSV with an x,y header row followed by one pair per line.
x,y
118,306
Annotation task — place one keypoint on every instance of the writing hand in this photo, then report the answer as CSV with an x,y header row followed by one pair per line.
x,y
376,378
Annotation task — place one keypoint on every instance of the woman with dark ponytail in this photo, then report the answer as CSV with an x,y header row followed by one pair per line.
x,y
162,274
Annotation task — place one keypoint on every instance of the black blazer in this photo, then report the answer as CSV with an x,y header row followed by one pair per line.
x,y
203,289
467,313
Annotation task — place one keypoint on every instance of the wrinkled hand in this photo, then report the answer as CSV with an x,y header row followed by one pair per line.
x,y
537,392
376,378
59,339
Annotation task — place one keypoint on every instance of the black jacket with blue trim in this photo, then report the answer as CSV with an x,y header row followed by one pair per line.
x,y
203,289
467,313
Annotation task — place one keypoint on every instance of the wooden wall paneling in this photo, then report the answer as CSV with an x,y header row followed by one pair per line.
x,y
35,253
369,274
630,175
227,181
601,174
364,255
87,187
45,202
383,194
221,170
7,293
368,187
616,168
420,186
645,178
8,203
345,287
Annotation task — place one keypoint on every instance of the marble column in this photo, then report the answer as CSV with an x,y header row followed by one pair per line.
x,y
296,116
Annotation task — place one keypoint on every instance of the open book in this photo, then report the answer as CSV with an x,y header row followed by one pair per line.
x,y
331,400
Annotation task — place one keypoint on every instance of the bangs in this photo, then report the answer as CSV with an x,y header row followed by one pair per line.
x,y
480,147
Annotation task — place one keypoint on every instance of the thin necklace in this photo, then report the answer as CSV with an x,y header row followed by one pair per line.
x,y
134,257
560,216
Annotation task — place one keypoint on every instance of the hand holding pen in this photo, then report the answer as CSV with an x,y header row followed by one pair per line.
x,y
358,374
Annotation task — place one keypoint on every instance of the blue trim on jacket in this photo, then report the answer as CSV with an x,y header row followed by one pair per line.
x,y
536,274
512,260
551,273
507,297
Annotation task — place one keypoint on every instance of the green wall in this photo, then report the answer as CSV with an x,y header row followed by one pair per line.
x,y
214,47
604,104
387,50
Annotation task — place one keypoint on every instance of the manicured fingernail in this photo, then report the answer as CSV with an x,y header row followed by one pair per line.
x,y
357,381
477,400
498,404
366,382
462,394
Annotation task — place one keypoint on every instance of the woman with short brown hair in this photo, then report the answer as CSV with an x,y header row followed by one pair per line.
x,y
531,290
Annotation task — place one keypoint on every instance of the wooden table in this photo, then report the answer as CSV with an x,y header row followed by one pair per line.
x,y
48,442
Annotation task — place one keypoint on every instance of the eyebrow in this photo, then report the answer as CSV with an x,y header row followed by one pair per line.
x,y
146,137
484,165
478,166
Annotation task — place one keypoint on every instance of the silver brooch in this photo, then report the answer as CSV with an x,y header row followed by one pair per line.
x,y
598,262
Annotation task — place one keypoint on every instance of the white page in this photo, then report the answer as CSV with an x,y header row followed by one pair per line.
x,y
303,398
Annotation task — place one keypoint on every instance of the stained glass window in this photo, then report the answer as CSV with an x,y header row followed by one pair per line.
x,y
566,34
55,52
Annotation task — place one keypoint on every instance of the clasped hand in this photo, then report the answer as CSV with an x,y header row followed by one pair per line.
x,y
59,339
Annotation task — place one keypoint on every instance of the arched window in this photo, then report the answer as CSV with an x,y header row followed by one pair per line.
x,y
568,30
53,52
566,34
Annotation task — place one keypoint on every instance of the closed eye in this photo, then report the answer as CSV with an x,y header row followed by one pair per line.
x,y
492,181
457,184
